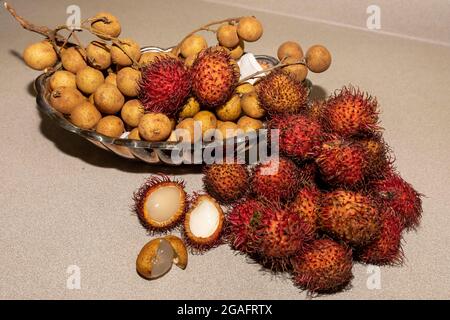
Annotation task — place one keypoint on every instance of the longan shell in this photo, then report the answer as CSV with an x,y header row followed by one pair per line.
x,y
111,29
131,48
251,107
249,124
290,49
98,55
318,58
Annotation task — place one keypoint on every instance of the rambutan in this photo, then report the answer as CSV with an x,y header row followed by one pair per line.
x,y
350,112
325,267
279,92
316,110
164,85
276,180
342,162
307,205
386,249
226,182
215,76
398,194
300,137
377,154
350,216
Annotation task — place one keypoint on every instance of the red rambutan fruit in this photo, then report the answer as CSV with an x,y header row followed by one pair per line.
x,y
307,205
325,267
350,112
299,136
350,216
215,76
164,85
398,194
226,182
316,110
377,154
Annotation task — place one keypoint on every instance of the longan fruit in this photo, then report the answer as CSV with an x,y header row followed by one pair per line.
x,y
249,124
297,71
231,110
244,88
188,125
89,79
62,78
207,120
131,48
109,28
65,99
132,112
249,29
318,58
189,61
91,98
227,129
98,55
227,36
128,81
73,59
134,134
193,45
110,126
155,127
238,51
190,108
85,115
111,79
108,99
40,55
290,49
251,107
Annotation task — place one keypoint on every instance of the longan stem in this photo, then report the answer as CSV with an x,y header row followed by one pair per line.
x,y
277,66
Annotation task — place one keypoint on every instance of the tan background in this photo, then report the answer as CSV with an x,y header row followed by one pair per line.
x,y
64,202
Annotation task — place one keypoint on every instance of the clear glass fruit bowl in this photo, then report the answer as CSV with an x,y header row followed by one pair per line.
x,y
149,152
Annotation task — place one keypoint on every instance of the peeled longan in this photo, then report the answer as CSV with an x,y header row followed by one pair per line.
x,y
249,124
249,29
110,126
131,48
62,78
132,112
238,51
297,71
40,55
73,60
155,127
227,129
193,45
108,99
111,27
290,49
65,99
207,120
190,108
227,36
134,134
111,79
231,110
89,79
128,81
85,115
251,107
318,58
98,55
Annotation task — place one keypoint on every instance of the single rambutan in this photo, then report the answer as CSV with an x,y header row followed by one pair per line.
x,y
164,85
342,162
214,77
350,112
398,194
307,205
350,216
377,154
307,172
160,203
226,182
279,92
386,249
325,267
276,180
299,136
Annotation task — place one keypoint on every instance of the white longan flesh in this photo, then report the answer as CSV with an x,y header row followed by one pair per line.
x,y
204,219
163,203
162,262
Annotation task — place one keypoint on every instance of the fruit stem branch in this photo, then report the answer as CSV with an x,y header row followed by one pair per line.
x,y
277,66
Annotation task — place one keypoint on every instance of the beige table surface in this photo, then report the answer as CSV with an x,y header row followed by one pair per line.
x,y
64,202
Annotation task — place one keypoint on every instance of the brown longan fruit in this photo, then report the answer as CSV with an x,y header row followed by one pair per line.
x,y
193,45
85,115
132,112
109,28
251,107
249,29
318,58
290,49
62,78
111,79
189,61
238,51
249,124
131,48
244,88
207,120
227,129
188,125
227,36
98,55
190,108
89,79
73,59
110,126
40,55
108,99
65,99
134,134
231,110
155,127
297,71
128,81
149,57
